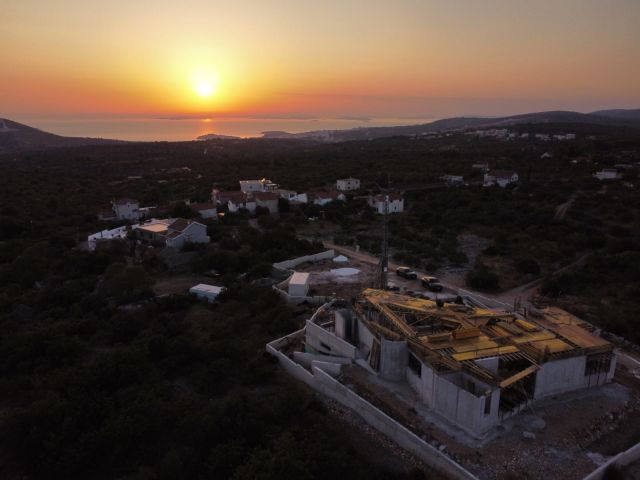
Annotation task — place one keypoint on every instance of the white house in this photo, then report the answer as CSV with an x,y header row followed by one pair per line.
x,y
182,231
206,210
347,184
452,179
502,178
206,292
293,197
268,200
481,166
323,198
241,201
396,203
126,209
607,174
262,185
173,232
299,284
115,233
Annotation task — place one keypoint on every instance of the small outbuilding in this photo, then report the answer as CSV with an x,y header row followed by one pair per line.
x,y
299,284
206,292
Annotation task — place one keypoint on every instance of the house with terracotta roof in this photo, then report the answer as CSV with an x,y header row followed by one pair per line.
x,y
502,178
395,201
205,209
268,200
323,198
173,232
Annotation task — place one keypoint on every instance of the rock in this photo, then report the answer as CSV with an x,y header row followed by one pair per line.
x,y
442,448
529,435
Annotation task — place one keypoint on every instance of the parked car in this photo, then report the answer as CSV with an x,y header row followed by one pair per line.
x,y
407,273
432,283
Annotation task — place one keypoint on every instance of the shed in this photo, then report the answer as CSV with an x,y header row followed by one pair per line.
x,y
207,292
299,284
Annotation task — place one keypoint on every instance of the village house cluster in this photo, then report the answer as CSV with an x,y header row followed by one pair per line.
x,y
506,134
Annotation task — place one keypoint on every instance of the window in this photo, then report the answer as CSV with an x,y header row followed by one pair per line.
x,y
415,365
487,403
325,346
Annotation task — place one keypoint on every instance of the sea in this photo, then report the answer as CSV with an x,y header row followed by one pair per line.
x,y
185,128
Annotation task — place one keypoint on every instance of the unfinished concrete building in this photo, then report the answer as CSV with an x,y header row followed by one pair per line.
x,y
470,366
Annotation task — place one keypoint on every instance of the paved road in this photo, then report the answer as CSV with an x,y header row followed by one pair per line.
x,y
415,284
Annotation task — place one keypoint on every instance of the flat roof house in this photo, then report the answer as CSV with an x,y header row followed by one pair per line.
x,y
262,185
206,292
299,284
126,209
502,178
347,184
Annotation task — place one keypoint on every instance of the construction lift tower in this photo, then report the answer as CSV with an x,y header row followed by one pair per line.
x,y
383,263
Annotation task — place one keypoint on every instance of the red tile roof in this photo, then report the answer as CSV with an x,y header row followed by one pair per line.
x,y
501,173
392,196
202,206
266,196
180,224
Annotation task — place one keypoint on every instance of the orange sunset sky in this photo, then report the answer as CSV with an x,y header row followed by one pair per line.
x,y
297,57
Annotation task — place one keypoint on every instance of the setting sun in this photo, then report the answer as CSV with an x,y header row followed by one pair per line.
x,y
204,89
205,85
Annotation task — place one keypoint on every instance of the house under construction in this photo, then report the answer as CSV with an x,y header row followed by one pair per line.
x,y
471,366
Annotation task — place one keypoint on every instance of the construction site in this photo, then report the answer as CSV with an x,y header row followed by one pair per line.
x,y
466,379
474,392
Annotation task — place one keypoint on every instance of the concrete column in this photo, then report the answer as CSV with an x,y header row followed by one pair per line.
x,y
394,358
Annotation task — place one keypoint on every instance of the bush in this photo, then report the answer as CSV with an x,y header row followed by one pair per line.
x,y
528,266
482,278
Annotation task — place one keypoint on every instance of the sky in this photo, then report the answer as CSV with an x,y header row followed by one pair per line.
x,y
301,59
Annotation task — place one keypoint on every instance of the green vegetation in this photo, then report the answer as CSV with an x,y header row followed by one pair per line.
x,y
103,380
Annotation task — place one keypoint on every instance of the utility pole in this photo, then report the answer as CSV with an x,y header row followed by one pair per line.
x,y
383,263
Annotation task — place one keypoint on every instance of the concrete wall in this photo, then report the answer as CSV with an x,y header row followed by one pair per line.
x,y
292,368
330,368
294,262
491,363
298,300
316,336
364,339
321,381
389,427
621,460
560,376
394,357
305,359
454,403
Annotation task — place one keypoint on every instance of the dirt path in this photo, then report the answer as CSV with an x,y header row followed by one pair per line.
x,y
561,210
503,300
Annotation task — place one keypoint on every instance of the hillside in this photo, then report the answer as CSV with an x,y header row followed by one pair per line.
x,y
628,118
15,136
